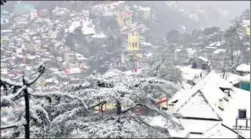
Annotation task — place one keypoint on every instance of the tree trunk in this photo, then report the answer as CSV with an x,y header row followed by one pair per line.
x,y
27,114
118,105
118,113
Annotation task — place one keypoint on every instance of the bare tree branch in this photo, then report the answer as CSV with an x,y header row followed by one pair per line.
x,y
34,80
7,127
15,125
101,103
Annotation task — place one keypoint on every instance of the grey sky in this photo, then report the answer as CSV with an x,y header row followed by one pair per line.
x,y
235,7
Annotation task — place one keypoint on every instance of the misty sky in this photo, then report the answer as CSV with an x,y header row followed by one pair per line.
x,y
235,7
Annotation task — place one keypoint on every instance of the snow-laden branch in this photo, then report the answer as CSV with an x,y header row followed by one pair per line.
x,y
40,71
10,83
66,116
8,100
141,121
167,116
59,94
42,112
14,125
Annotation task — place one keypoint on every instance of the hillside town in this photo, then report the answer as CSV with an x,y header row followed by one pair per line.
x,y
96,70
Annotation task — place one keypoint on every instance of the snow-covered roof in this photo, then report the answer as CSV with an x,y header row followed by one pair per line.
x,y
246,78
220,131
80,56
210,47
73,70
243,68
178,50
197,125
145,43
209,87
149,54
240,100
237,52
50,80
99,35
246,22
230,77
140,8
217,51
74,25
88,29
218,43
203,58
190,52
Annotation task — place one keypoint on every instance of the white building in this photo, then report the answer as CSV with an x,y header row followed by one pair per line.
x,y
209,109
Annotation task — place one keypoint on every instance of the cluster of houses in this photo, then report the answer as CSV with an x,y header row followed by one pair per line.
x,y
33,34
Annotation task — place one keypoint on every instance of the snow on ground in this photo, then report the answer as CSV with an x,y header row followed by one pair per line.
x,y
112,72
243,68
130,72
189,73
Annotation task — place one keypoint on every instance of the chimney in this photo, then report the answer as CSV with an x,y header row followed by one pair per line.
x,y
221,105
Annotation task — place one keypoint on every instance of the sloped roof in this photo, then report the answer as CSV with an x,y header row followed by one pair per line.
x,y
243,67
231,77
209,87
246,78
240,100
220,131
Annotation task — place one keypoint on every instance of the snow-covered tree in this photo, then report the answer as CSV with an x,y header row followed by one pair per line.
x,y
78,118
22,112
162,65
236,40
